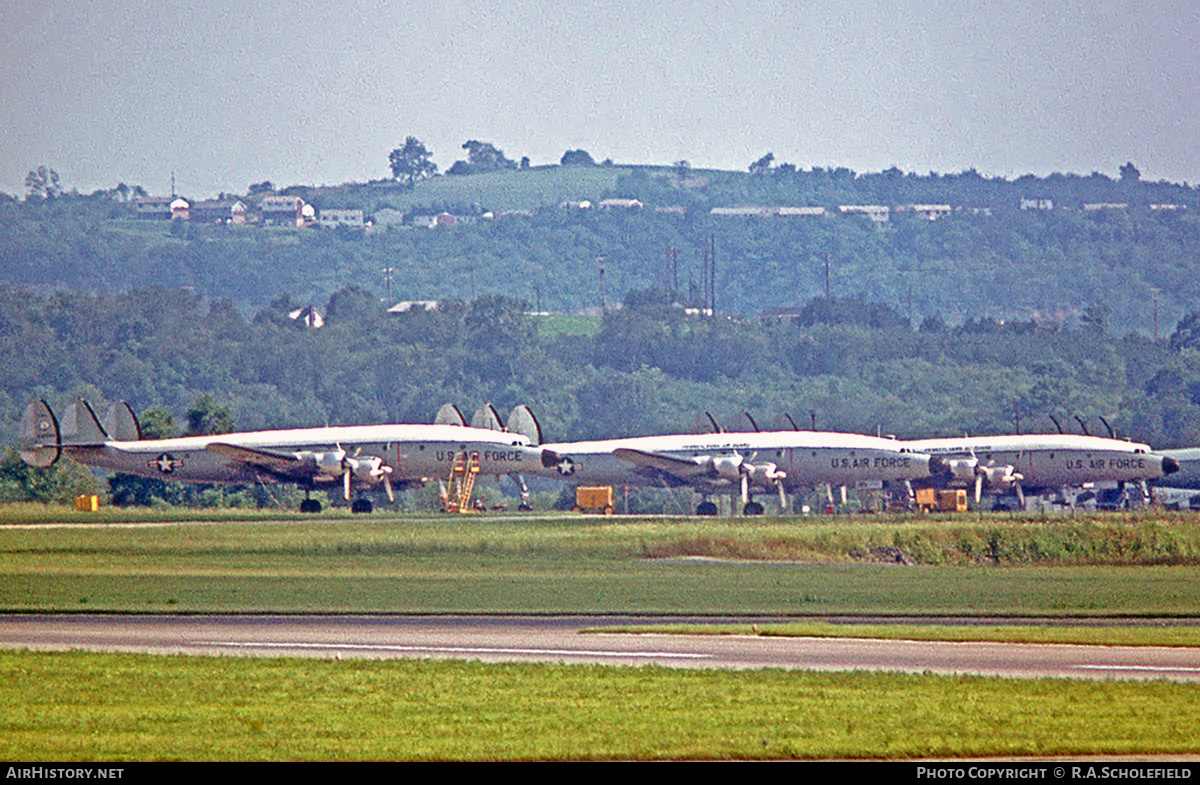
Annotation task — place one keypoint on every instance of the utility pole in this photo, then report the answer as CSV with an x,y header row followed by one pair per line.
x,y
1155,291
387,276
712,274
603,292
827,298
675,270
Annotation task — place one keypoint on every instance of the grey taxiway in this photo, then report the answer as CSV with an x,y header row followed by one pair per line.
x,y
562,639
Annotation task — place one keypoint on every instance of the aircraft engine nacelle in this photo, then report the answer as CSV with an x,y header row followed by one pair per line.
x,y
764,474
330,463
963,468
370,468
728,467
1000,476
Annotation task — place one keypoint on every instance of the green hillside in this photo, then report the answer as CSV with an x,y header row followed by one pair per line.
x,y
508,190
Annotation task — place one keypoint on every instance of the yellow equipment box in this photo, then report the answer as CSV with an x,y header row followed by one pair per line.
x,y
929,499
595,499
87,503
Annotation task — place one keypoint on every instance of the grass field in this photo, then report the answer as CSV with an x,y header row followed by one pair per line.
x,y
76,706
79,707
567,564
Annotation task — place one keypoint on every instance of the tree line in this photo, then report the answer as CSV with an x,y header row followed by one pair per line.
x,y
650,366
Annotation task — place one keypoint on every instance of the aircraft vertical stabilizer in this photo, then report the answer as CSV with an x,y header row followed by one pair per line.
x,y
122,424
488,418
449,414
80,425
40,439
522,420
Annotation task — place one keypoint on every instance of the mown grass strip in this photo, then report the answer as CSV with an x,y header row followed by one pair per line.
x,y
87,707
1139,635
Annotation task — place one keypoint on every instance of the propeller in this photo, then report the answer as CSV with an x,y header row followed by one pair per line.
x,y
746,473
371,468
766,474
994,476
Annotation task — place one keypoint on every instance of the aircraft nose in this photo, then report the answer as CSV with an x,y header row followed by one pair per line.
x,y
1170,465
938,466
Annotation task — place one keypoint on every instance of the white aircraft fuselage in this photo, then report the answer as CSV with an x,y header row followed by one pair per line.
x,y
414,452
1050,461
716,463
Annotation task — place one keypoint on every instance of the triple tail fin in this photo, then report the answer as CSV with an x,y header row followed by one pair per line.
x,y
488,418
449,414
41,441
523,421
81,427
122,424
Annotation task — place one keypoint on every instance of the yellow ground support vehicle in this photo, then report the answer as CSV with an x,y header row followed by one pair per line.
x,y
930,499
594,499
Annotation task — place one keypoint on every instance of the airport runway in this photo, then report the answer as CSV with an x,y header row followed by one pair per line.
x,y
559,639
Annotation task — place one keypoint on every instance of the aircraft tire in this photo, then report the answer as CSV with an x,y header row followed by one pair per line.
x,y
361,505
752,508
310,505
706,508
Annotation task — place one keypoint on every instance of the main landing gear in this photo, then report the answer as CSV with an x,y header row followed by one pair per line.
x,y
309,504
709,508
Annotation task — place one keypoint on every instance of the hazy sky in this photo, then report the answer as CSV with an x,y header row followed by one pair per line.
x,y
229,93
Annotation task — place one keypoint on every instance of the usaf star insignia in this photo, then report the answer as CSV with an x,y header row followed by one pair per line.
x,y
165,463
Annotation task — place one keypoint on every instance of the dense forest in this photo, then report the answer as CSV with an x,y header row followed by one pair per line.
x,y
649,367
990,319
986,258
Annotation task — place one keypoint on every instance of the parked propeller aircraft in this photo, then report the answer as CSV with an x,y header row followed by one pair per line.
x,y
361,457
745,463
1040,463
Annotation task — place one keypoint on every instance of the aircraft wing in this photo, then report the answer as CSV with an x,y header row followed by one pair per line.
x,y
682,469
282,465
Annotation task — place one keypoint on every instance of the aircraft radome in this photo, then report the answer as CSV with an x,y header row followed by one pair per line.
x,y
360,457
745,463
1039,463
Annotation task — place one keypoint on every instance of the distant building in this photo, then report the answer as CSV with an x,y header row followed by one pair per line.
x,y
740,212
155,207
763,212
1037,204
219,211
1168,207
308,316
330,219
878,213
288,210
1097,206
620,204
387,217
405,306
930,211
180,209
